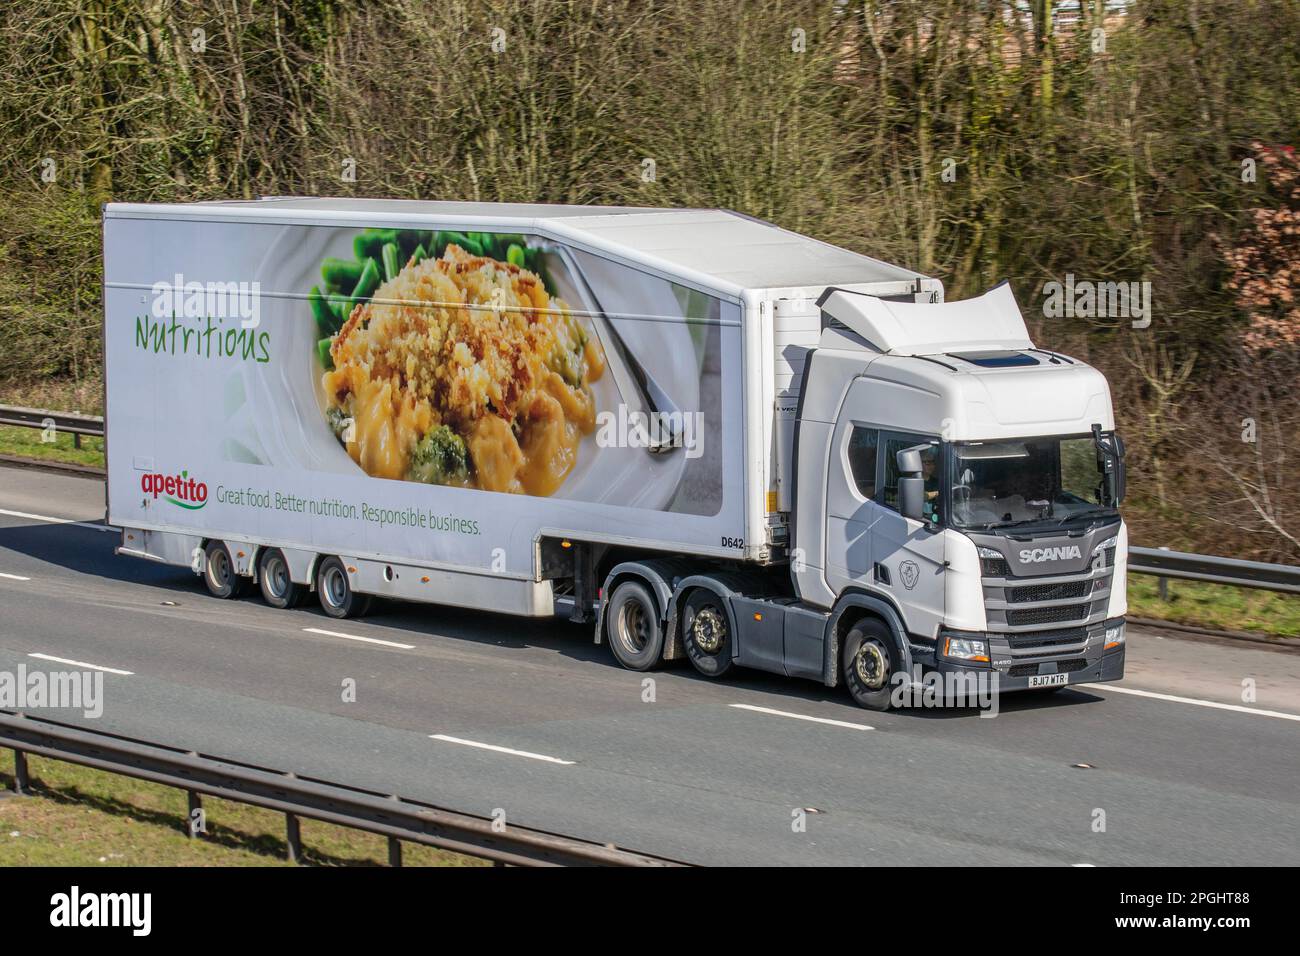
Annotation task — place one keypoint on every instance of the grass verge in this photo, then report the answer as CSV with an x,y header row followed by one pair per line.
x,y
1218,606
83,817
28,443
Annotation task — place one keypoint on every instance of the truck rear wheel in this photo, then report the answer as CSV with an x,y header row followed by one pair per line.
x,y
219,572
706,634
278,589
634,627
337,599
870,661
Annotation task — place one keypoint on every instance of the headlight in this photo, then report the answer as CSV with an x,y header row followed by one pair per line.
x,y
1114,636
966,649
989,553
1111,542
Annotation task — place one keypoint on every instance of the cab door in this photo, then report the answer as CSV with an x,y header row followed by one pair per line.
x,y
851,509
909,555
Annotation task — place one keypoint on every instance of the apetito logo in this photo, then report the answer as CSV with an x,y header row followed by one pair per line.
x,y
1037,555
180,490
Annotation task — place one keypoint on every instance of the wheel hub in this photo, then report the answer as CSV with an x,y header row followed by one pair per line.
x,y
633,630
871,665
708,630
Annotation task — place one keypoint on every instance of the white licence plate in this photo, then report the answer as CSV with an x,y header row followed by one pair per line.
x,y
1049,680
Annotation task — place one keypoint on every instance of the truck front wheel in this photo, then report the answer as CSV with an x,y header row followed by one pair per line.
x,y
705,633
634,627
870,661
337,599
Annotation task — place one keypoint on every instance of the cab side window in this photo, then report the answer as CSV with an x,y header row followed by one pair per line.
x,y
890,447
862,459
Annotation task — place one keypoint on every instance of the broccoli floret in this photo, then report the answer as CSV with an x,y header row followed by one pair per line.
x,y
439,458
339,422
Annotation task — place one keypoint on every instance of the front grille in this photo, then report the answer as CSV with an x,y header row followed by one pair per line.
x,y
1062,667
1047,639
1047,615
1049,592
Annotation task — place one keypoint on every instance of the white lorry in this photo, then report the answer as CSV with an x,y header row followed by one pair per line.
x,y
706,436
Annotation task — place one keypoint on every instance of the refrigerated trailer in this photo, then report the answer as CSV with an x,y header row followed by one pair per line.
x,y
700,434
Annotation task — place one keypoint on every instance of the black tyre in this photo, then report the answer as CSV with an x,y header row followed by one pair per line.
x,y
278,589
334,589
870,659
634,627
706,633
219,572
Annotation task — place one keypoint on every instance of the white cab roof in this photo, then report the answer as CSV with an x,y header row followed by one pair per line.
x,y
987,322
719,248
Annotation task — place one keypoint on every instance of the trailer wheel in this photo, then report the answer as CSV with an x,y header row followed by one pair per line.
x,y
219,572
706,634
278,589
337,599
870,661
634,627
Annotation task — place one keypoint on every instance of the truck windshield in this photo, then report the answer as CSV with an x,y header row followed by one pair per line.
x,y
1024,481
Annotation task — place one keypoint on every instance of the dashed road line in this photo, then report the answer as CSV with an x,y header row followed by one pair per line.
x,y
816,720
48,519
357,637
93,667
1111,688
13,577
501,750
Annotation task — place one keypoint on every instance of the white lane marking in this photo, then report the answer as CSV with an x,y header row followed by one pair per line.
x,y
500,750
1190,700
816,720
354,637
51,520
93,667
13,577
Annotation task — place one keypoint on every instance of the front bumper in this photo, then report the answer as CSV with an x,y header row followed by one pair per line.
x,y
1014,662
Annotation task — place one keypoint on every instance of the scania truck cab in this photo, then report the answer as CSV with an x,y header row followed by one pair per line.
x,y
958,487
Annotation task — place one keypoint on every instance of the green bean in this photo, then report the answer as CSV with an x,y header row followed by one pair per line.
x,y
407,240
370,242
419,255
515,256
326,321
468,243
323,353
367,284
340,274
341,305
392,261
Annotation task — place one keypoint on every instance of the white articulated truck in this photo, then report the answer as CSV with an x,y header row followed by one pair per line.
x,y
703,435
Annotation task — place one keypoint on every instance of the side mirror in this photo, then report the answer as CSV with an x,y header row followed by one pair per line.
x,y
909,461
911,497
911,482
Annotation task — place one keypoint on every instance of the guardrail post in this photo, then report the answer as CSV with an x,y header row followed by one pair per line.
x,y
22,783
1162,583
394,851
194,824
293,836
76,439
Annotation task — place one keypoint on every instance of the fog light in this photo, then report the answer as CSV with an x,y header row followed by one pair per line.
x,y
1114,636
966,649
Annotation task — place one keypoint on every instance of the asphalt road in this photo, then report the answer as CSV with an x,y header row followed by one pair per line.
x,y
1185,772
